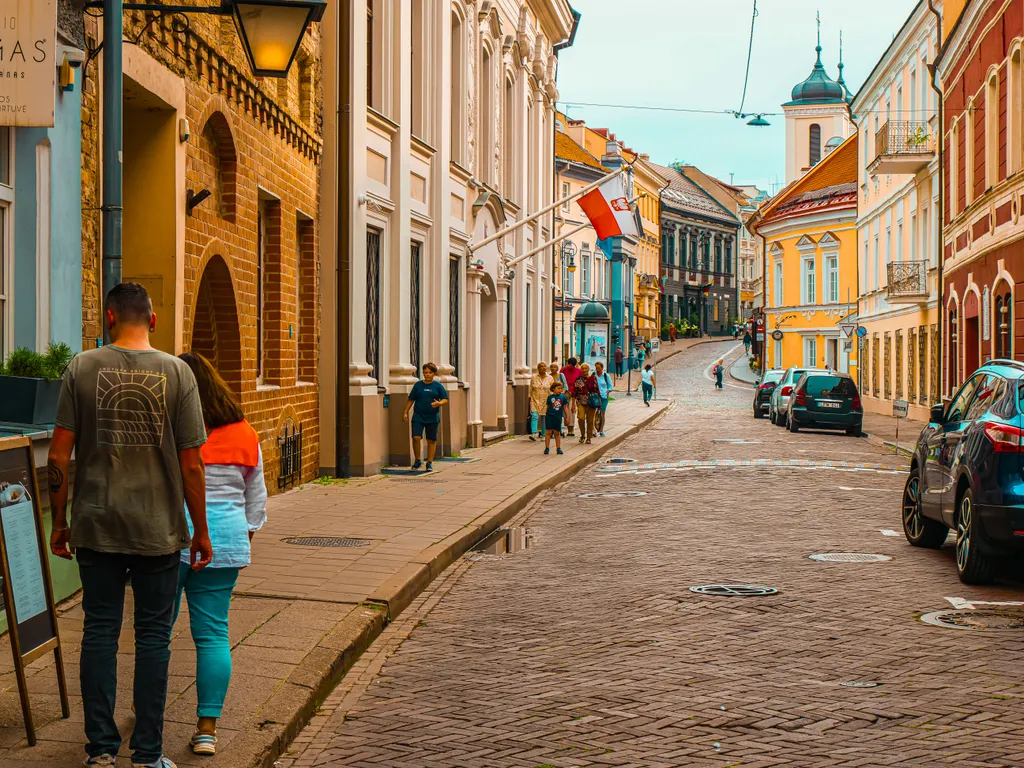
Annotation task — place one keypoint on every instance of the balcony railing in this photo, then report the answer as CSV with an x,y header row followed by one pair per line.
x,y
907,282
903,146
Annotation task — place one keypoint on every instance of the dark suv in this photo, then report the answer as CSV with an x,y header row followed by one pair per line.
x,y
825,401
967,473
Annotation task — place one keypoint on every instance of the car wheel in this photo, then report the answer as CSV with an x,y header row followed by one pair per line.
x,y
854,432
972,565
793,426
771,415
757,412
781,420
919,530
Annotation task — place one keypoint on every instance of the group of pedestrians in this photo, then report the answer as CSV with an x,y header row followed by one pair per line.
x,y
567,396
152,435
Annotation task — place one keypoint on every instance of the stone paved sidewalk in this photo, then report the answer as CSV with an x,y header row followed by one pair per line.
x,y
302,615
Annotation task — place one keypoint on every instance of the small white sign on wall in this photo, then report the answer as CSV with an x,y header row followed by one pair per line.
x,y
28,62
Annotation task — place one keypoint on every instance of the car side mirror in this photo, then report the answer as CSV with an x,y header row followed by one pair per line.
x,y
937,414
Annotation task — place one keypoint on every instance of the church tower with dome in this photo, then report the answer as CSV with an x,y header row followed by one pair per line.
x,y
817,117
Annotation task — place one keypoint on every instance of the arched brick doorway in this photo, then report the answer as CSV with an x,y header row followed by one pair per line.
x,y
215,332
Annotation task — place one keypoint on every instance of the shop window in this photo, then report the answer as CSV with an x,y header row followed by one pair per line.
x,y
373,303
1002,321
454,296
415,284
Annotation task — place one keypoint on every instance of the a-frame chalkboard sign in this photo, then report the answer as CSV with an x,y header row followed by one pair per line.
x,y
25,572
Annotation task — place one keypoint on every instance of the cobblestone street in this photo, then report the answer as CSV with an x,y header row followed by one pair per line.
x,y
589,649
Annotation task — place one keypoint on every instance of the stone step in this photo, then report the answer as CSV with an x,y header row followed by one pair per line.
x,y
490,438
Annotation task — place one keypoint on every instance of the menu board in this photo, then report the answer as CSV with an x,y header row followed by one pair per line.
x,y
22,543
25,572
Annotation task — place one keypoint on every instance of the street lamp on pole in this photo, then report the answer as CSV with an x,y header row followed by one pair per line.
x,y
271,32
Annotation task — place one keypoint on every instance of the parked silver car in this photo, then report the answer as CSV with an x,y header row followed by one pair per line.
x,y
779,404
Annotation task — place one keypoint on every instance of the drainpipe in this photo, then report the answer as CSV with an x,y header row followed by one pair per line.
x,y
556,49
764,302
942,197
113,131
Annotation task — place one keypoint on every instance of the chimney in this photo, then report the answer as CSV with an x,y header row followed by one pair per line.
x,y
612,157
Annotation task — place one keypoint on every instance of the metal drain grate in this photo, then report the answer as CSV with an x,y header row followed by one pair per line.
x,y
849,557
992,621
620,460
736,441
328,541
734,590
612,495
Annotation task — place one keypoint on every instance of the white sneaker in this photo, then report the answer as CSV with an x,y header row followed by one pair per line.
x,y
103,760
163,762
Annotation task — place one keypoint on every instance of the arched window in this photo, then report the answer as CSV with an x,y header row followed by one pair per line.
x,y
219,165
815,143
1003,321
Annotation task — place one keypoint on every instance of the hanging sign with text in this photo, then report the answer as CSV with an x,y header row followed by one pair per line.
x,y
28,65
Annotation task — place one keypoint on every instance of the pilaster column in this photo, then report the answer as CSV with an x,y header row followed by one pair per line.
x,y
504,339
472,353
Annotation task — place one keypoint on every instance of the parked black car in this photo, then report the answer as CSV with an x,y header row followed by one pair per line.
x,y
967,473
763,394
825,401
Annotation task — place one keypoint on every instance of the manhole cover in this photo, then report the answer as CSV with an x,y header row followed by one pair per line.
x,y
993,621
736,441
849,557
859,684
612,495
734,590
327,541
620,461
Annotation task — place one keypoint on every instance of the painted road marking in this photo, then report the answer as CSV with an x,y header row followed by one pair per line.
x,y
688,464
969,605
889,532
853,488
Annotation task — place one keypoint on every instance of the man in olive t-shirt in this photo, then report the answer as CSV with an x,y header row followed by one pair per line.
x,y
133,417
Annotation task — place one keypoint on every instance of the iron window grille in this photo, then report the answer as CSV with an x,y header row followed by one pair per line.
x,y
906,278
414,306
373,303
290,447
454,294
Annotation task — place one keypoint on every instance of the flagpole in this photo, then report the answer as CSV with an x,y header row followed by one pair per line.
x,y
472,247
548,244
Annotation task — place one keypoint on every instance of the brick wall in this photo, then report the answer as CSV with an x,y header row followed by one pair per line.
x,y
254,140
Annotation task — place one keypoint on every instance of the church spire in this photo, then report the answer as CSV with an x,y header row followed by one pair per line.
x,y
817,18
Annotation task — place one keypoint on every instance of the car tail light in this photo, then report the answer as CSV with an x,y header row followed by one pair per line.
x,y
801,397
787,391
856,402
1004,438
767,385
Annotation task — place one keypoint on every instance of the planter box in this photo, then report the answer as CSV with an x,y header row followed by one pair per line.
x,y
28,401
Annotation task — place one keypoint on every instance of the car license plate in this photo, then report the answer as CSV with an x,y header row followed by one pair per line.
x,y
829,405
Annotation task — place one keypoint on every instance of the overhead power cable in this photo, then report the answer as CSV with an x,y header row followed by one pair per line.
x,y
750,56
657,109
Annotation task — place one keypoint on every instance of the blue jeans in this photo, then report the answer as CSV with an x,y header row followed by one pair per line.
x,y
648,391
209,597
154,581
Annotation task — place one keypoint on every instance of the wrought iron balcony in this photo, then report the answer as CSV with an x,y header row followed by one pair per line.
x,y
907,282
903,146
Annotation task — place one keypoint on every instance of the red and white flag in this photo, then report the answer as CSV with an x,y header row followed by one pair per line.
x,y
609,211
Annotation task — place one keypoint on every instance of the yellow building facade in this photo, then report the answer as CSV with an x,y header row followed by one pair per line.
x,y
810,231
647,186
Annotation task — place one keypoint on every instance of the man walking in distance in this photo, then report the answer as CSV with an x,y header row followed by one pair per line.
x,y
133,417
425,401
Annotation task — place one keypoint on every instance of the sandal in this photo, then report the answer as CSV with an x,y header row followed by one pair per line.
x,y
204,743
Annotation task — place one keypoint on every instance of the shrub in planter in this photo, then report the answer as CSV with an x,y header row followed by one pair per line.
x,y
30,384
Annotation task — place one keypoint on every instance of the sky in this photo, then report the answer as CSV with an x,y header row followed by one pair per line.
x,y
692,54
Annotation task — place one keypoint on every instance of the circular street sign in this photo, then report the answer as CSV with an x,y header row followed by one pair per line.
x,y
861,331
777,335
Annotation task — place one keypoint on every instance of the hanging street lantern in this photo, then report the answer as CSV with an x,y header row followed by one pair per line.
x,y
272,30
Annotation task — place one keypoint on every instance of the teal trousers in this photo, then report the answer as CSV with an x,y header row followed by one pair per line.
x,y
209,596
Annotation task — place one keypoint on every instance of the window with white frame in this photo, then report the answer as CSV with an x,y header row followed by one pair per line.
x,y
831,284
992,131
42,244
808,280
777,356
565,194
899,241
778,282
1014,114
811,352
876,285
585,283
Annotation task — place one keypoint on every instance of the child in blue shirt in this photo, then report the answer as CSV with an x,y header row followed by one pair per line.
x,y
557,404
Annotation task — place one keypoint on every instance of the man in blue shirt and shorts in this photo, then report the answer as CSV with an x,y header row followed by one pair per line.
x,y
425,401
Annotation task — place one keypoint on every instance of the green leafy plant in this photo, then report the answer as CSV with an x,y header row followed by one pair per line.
x,y
29,364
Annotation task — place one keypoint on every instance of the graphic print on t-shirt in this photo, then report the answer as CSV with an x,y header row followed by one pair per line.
x,y
130,407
